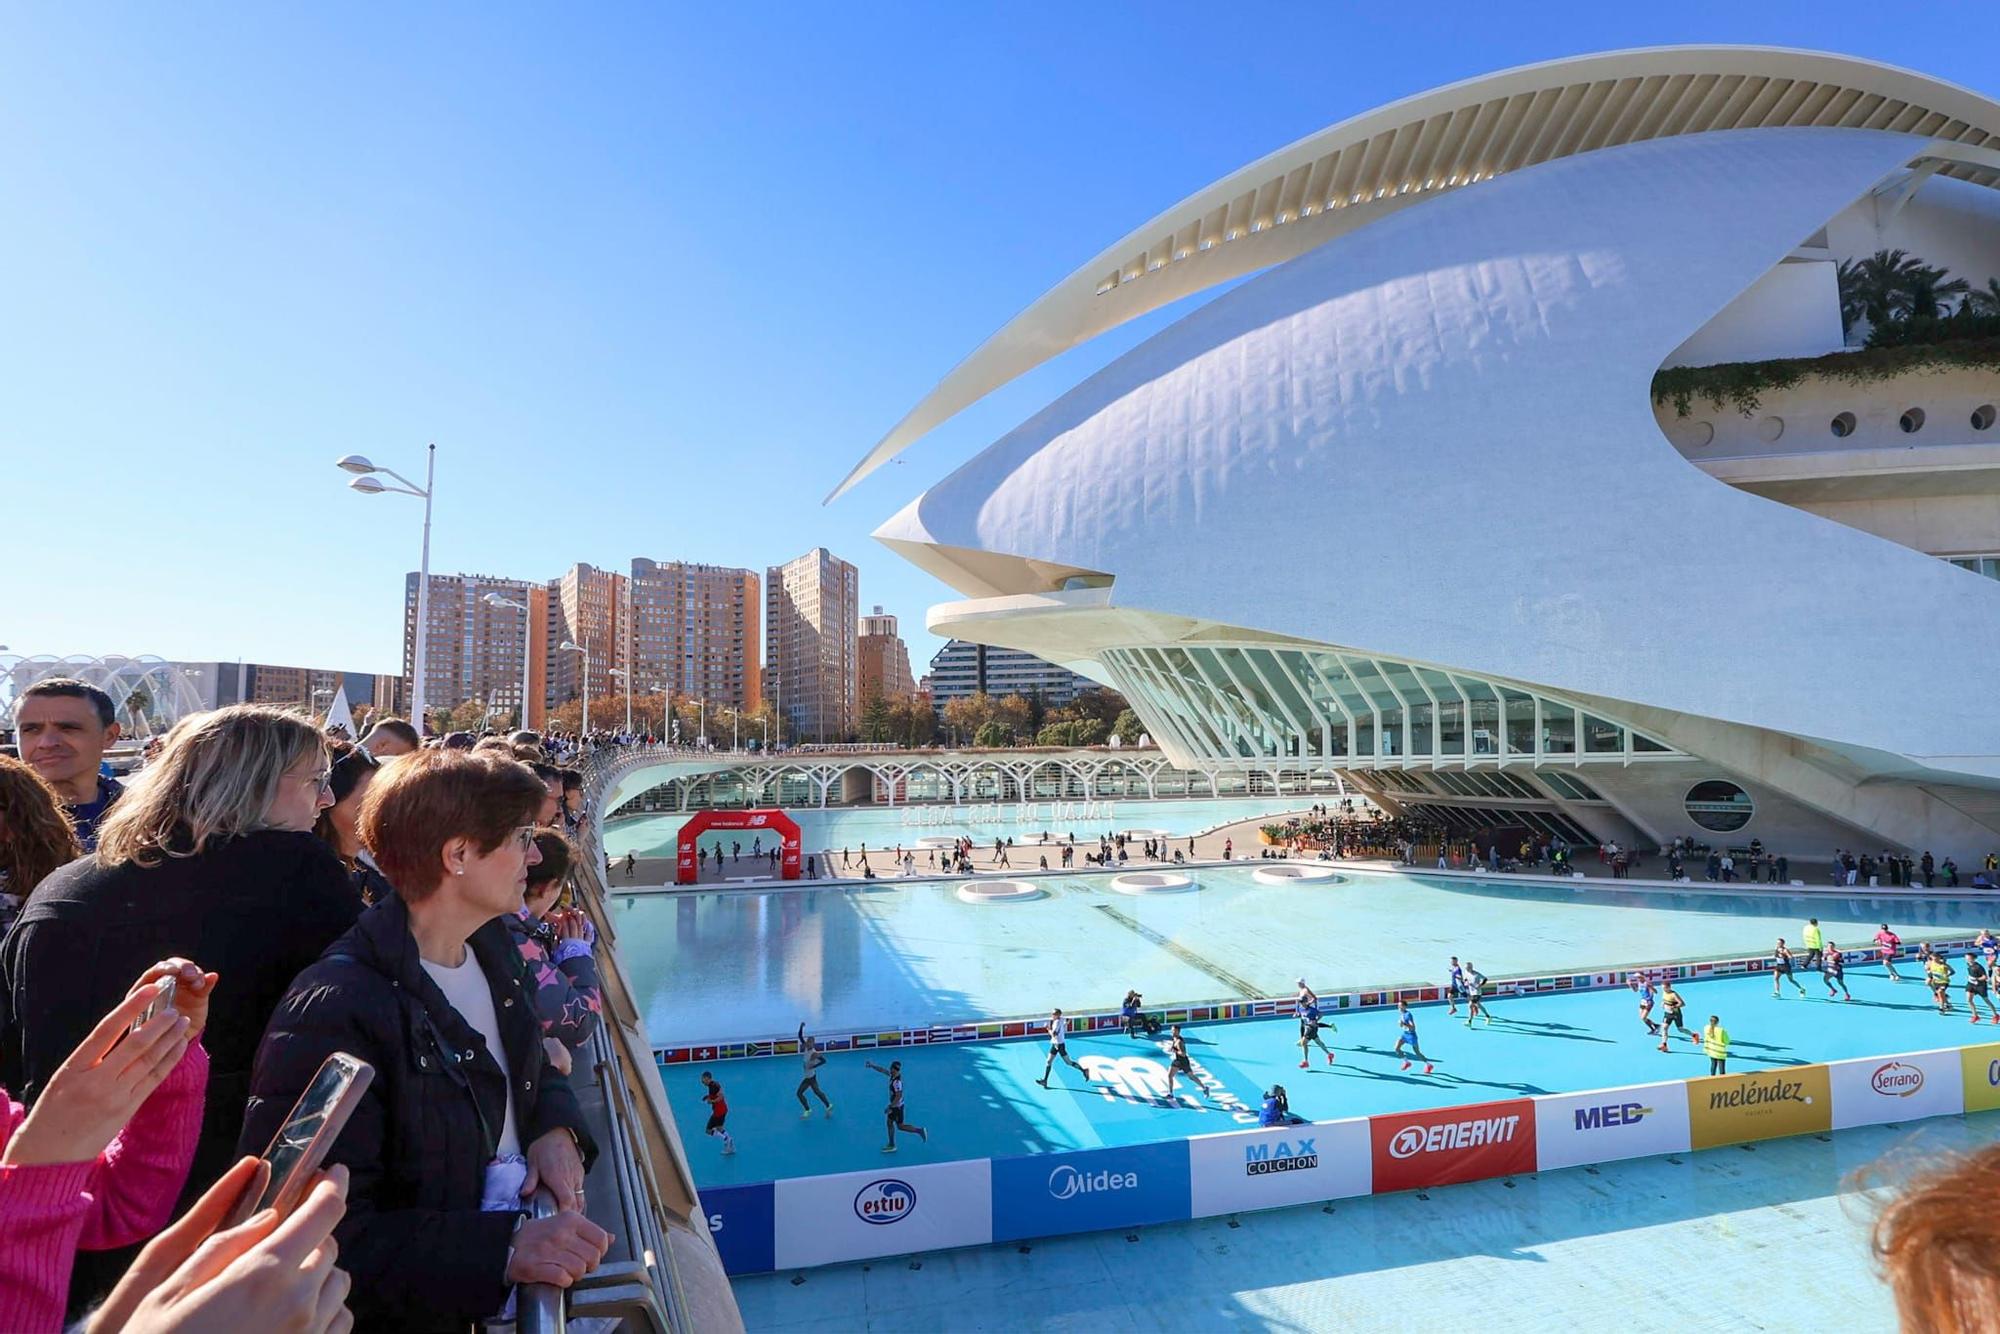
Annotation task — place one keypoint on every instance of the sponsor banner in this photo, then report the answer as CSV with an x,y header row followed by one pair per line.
x,y
1761,1104
1278,1165
1875,1089
897,1210
739,1218
1048,1194
1980,1075
1572,1129
1448,1144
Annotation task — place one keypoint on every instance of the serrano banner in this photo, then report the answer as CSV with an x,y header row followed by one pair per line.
x,y
895,1211
1262,1169
1763,1104
1576,1128
1980,1067
1875,1089
1444,1145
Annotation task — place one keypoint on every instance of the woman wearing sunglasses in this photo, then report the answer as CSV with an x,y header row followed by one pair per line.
x,y
464,1119
209,855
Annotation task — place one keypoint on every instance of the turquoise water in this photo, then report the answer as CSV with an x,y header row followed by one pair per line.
x,y
722,965
882,827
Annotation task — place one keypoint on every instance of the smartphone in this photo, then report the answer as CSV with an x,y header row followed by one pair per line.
x,y
163,999
301,1144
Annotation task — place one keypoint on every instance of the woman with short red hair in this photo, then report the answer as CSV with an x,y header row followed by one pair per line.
x,y
464,1119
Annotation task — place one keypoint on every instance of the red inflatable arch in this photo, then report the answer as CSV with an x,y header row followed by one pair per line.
x,y
776,822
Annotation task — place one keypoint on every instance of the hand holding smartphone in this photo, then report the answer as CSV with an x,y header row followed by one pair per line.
x,y
163,999
293,1158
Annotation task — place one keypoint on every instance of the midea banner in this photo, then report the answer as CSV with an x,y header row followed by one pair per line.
x,y
1448,1144
1048,1194
1762,1104
1278,1165
1875,1089
895,1211
1572,1129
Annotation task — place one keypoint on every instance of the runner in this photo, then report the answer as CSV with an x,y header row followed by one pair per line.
x,y
1889,943
1671,1018
1058,1030
1454,987
1306,1007
1180,1063
811,1058
1977,989
1715,1041
1781,968
718,1111
895,1109
1989,946
1406,1025
1814,942
1642,982
1937,973
1475,987
1833,971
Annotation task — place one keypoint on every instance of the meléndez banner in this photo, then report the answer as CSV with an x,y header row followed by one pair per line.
x,y
1980,1069
898,1210
1572,1129
1447,1144
1278,1165
1875,1089
1758,1104
1049,1194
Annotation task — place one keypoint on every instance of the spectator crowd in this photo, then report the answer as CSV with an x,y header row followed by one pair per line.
x,y
183,952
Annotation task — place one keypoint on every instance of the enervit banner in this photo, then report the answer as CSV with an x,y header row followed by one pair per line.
x,y
1438,1147
1047,1194
1980,1068
894,1211
1875,1089
1262,1169
1576,1128
1760,1104
739,1218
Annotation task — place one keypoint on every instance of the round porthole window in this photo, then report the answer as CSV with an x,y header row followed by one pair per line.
x,y
1911,421
1842,426
1719,806
1983,417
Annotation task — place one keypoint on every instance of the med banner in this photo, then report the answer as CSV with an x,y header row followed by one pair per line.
x,y
1448,1144
739,1218
1876,1089
898,1210
1278,1165
1572,1129
1979,1068
1048,1194
1760,1104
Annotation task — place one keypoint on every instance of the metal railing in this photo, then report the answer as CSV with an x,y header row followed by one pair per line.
x,y
538,1307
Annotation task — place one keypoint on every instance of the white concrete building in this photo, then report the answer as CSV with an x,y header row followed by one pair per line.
x,y
1403,502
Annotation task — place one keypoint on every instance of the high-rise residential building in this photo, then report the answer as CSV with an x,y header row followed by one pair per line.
x,y
694,630
474,648
812,607
885,659
962,668
218,684
587,608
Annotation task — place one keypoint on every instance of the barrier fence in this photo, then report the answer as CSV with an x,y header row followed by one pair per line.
x,y
825,1220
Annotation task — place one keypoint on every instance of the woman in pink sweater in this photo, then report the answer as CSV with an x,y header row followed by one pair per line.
x,y
102,1157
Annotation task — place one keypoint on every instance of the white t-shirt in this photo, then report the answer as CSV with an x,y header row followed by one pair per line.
x,y
465,987
1058,1031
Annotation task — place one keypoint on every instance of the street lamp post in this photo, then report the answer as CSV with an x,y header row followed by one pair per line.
x,y
571,646
626,677
365,482
527,643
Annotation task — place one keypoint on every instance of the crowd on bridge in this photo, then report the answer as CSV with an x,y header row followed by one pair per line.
x,y
261,929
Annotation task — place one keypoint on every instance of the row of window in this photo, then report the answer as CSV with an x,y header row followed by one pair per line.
x,y
1912,420
1445,782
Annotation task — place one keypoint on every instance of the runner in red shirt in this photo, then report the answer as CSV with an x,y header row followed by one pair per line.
x,y
718,1111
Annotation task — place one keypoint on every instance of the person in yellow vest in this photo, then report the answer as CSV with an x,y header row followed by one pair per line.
x,y
1814,942
1715,1041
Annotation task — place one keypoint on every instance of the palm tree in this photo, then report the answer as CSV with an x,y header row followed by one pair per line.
x,y
1869,287
1926,291
1985,300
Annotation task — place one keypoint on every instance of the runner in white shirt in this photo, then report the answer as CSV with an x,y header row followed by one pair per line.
x,y
811,1058
1058,1047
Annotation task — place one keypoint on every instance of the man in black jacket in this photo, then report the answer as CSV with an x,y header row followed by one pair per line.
x,y
435,1235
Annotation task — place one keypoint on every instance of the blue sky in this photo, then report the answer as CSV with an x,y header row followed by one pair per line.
x,y
652,277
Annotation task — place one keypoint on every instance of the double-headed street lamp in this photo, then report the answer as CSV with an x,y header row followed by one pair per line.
x,y
571,646
527,643
366,483
626,677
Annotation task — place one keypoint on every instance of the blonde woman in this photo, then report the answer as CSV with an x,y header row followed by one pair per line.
x,y
209,855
